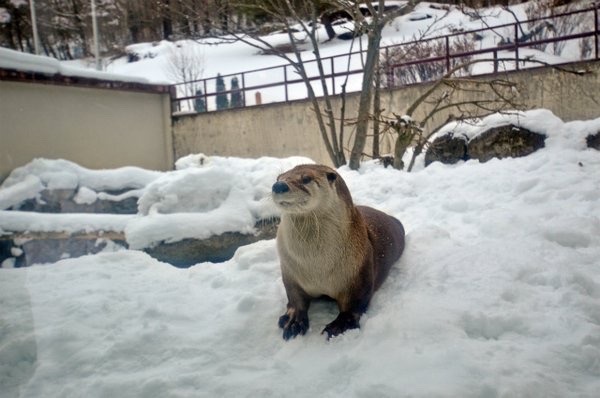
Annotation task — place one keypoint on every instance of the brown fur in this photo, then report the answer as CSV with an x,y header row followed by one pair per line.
x,y
329,247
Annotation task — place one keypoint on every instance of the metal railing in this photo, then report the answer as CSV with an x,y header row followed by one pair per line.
x,y
513,52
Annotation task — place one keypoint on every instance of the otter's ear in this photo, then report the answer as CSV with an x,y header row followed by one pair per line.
x,y
331,177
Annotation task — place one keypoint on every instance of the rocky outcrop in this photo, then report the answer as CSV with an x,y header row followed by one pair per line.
x,y
447,149
27,248
215,249
65,201
47,247
498,142
504,142
593,141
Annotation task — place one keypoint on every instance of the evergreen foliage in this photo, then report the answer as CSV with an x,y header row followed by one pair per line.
x,y
222,100
199,104
236,94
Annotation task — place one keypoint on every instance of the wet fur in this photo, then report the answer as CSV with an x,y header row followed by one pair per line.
x,y
329,247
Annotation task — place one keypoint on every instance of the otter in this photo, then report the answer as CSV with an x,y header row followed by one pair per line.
x,y
328,247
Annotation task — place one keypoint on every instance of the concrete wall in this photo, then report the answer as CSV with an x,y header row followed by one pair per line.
x,y
291,129
92,126
279,130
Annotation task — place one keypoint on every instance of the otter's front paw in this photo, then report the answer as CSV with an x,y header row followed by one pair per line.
x,y
293,323
344,321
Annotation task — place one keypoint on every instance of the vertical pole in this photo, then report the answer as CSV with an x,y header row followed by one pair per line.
x,y
36,37
285,85
447,54
332,76
495,61
205,96
516,46
596,28
95,33
243,89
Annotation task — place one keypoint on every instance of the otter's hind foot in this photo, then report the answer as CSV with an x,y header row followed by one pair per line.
x,y
293,323
344,321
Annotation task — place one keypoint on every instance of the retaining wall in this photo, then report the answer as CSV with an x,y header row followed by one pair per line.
x,y
285,129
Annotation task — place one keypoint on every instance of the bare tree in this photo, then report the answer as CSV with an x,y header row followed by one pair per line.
x,y
186,65
460,99
300,21
373,26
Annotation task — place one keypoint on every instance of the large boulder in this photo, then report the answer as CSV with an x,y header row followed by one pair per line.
x,y
75,201
217,248
593,141
447,149
503,142
47,247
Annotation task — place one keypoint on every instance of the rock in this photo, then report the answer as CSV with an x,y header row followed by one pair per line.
x,y
447,149
593,141
63,201
504,141
215,249
50,250
49,247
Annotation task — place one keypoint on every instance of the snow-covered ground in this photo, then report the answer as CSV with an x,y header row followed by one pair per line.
x,y
206,58
497,294
210,57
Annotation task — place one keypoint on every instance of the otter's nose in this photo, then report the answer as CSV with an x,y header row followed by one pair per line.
x,y
280,187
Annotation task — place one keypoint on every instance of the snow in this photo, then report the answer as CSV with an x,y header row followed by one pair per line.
x,y
11,59
559,134
234,58
497,293
228,57
205,196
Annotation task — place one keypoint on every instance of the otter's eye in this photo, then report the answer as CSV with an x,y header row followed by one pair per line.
x,y
306,180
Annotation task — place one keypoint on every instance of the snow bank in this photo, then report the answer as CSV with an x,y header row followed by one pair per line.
x,y
205,196
28,181
11,59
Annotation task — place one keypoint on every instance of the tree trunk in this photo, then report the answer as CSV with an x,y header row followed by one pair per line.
x,y
364,105
404,139
326,21
377,112
167,23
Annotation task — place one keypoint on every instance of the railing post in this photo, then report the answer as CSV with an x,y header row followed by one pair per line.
x,y
285,85
516,46
244,89
205,96
447,54
495,61
173,97
596,41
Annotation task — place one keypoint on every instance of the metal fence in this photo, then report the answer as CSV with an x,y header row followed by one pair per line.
x,y
557,39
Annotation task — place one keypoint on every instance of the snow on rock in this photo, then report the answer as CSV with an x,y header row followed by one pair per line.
x,y
200,199
23,221
541,121
11,59
19,190
207,196
28,181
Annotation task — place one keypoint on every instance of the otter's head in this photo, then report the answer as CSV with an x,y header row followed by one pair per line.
x,y
306,188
